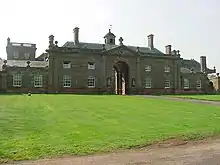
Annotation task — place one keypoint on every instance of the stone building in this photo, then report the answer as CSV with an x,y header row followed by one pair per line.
x,y
108,67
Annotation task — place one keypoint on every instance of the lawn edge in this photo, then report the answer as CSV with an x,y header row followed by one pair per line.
x,y
160,143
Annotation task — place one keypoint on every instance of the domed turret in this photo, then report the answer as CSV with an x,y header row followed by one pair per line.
x,y
109,38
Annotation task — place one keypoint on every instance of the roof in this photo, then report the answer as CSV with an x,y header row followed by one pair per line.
x,y
99,46
185,70
191,64
23,63
109,34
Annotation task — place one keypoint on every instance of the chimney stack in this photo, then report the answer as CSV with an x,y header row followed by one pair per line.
x,y
203,64
168,49
150,41
76,35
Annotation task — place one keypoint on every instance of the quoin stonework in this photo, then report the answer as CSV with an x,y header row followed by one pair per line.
x,y
102,68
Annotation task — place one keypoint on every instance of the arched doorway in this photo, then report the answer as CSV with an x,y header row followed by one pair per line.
x,y
121,77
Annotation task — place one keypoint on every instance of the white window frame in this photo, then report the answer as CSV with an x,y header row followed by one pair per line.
x,y
167,84
148,68
91,82
186,83
91,66
16,55
38,81
27,55
198,84
66,64
148,83
167,69
67,81
17,80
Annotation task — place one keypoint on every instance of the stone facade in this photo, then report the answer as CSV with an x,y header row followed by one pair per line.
x,y
80,67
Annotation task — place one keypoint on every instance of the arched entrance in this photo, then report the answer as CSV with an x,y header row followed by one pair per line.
x,y
121,76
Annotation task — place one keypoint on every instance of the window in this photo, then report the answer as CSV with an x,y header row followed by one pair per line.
x,y
186,83
26,55
148,68
198,84
67,81
91,66
167,84
111,41
91,82
38,80
17,80
167,69
16,55
66,64
148,83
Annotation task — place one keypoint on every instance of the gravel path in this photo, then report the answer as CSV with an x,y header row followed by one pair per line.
x,y
182,99
206,152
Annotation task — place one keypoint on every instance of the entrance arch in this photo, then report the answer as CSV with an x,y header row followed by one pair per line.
x,y
121,77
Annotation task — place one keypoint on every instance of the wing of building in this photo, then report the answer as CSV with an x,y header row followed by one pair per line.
x,y
81,67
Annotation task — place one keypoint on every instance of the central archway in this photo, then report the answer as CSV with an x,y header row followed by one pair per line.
x,y
121,76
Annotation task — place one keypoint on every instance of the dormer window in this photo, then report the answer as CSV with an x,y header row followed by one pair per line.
x,y
16,55
66,64
91,66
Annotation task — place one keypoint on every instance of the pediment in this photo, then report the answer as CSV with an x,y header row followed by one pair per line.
x,y
121,51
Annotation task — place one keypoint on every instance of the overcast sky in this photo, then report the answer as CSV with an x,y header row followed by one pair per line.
x,y
192,26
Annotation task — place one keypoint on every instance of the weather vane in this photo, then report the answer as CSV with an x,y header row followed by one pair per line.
x,y
110,27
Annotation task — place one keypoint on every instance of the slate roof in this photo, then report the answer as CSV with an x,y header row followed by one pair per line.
x,y
98,46
23,63
190,64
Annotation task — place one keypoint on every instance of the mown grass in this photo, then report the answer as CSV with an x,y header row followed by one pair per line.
x,y
51,125
200,97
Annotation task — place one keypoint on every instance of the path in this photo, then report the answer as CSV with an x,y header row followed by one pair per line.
x,y
205,152
182,99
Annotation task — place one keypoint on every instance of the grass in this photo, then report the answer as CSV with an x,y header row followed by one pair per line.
x,y
52,125
200,97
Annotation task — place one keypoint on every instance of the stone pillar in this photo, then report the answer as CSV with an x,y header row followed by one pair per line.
x,y
50,73
103,76
138,78
119,83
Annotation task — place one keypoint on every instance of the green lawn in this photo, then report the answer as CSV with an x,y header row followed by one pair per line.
x,y
200,97
50,125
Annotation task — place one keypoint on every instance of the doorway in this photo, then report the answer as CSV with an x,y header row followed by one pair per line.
x,y
121,77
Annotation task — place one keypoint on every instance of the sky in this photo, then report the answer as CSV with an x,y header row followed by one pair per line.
x,y
191,26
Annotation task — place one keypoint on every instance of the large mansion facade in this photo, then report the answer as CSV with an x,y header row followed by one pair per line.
x,y
108,67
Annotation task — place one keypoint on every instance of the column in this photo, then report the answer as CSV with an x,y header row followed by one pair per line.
x,y
138,78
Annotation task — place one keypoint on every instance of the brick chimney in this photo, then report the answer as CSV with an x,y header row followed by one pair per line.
x,y
168,49
150,41
76,35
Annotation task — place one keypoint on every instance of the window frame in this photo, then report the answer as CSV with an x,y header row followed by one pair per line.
x,y
66,64
184,83
27,55
39,79
91,80
91,66
148,68
166,82
16,55
67,81
17,77
200,84
148,83
167,69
